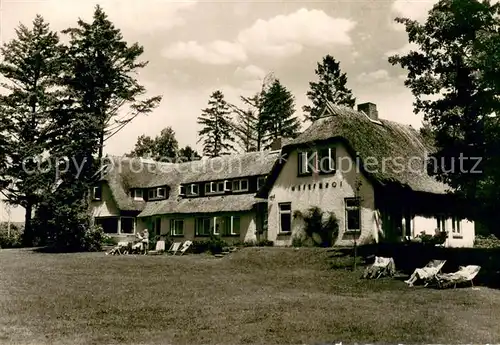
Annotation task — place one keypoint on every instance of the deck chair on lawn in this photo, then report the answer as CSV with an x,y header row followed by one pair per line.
x,y
159,249
427,273
174,248
185,246
463,275
120,249
381,267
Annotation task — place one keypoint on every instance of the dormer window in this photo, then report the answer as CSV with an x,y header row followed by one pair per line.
x,y
240,185
220,187
157,193
152,194
97,193
162,193
182,190
193,189
214,187
137,194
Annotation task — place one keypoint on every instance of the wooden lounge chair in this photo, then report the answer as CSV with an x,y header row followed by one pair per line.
x,y
426,273
380,268
464,275
159,249
185,246
174,248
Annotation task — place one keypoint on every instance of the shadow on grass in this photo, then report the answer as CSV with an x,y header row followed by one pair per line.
x,y
58,250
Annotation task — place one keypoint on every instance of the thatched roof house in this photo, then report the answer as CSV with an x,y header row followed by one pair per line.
x,y
375,181
396,152
125,174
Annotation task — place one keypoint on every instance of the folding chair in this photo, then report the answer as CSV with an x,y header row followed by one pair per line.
x,y
427,273
185,247
160,248
174,248
463,275
381,267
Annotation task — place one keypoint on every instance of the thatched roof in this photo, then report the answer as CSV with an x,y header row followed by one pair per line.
x,y
229,167
223,203
125,173
384,142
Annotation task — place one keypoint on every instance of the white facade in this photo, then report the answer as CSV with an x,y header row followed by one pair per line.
x,y
332,192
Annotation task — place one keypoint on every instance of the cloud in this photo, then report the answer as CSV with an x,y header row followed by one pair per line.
x,y
403,50
380,75
214,53
413,9
288,34
129,15
249,72
280,36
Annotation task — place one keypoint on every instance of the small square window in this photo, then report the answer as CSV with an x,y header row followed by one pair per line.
x,y
240,185
202,226
161,193
193,189
220,187
97,193
177,227
137,194
152,194
182,190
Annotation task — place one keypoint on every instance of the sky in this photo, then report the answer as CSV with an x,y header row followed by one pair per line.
x,y
197,47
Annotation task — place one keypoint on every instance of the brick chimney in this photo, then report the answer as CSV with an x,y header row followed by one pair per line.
x,y
276,144
369,109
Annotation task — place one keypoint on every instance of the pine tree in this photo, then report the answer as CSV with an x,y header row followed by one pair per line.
x,y
31,64
278,108
331,86
216,131
249,122
101,68
245,129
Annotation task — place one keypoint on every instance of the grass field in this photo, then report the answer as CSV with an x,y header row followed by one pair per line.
x,y
256,295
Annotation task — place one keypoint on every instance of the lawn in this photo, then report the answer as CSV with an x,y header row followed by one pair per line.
x,y
256,295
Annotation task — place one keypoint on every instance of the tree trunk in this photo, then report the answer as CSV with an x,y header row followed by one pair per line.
x,y
101,146
28,231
